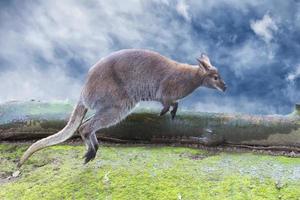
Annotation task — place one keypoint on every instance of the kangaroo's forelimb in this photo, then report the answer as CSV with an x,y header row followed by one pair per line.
x,y
166,109
174,110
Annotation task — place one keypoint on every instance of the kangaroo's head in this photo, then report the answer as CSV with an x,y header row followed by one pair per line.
x,y
211,77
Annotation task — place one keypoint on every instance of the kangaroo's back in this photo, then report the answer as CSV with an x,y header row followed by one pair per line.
x,y
134,64
134,72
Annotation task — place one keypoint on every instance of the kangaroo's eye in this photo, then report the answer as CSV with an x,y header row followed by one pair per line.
x,y
216,78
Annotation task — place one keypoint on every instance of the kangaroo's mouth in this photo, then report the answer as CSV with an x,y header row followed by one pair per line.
x,y
221,89
224,88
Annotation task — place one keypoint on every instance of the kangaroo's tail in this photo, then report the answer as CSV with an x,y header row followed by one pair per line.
x,y
61,136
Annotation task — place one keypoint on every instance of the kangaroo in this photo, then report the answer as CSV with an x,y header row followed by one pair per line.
x,y
116,83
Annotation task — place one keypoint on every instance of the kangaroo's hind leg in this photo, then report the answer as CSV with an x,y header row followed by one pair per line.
x,y
102,119
89,138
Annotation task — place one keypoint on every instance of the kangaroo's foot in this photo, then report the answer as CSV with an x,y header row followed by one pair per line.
x,y
90,140
93,146
164,110
174,110
89,155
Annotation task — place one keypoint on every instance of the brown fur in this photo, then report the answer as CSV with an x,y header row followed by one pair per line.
x,y
119,81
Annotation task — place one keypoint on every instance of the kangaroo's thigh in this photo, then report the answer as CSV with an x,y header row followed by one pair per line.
x,y
102,119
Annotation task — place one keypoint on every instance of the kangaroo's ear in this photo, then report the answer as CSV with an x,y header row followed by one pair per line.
x,y
204,62
205,58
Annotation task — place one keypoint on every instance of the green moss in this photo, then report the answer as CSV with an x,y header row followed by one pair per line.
x,y
121,172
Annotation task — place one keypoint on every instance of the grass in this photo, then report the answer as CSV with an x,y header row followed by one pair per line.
x,y
147,172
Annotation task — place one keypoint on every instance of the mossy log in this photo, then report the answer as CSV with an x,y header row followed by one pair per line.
x,y
33,120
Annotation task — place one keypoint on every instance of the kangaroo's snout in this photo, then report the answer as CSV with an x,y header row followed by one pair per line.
x,y
221,86
224,88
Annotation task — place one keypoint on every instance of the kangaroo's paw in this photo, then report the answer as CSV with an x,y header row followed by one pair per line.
x,y
174,110
92,148
90,155
164,110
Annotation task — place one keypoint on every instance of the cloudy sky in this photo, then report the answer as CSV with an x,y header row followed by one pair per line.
x,y
47,46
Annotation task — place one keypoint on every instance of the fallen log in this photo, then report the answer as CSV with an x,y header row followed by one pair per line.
x,y
34,120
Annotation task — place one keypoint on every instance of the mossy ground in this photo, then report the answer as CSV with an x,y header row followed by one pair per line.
x,y
149,172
